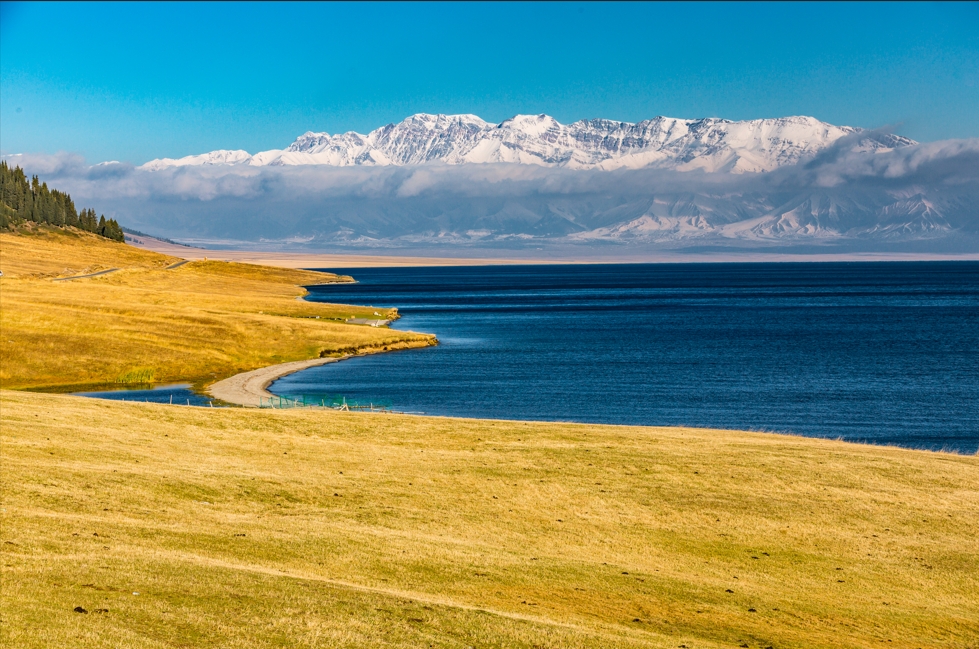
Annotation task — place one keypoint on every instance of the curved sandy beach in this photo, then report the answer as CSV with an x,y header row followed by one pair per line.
x,y
249,388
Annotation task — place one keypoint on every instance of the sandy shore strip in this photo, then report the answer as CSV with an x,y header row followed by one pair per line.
x,y
578,256
249,388
321,260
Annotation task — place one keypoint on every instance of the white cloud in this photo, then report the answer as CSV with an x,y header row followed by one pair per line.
x,y
402,203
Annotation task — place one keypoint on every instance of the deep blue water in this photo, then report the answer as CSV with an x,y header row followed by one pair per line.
x,y
884,353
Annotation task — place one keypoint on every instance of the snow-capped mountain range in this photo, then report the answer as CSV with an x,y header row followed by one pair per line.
x,y
712,145
430,180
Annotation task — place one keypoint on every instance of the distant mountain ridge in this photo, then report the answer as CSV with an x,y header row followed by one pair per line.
x,y
711,144
430,181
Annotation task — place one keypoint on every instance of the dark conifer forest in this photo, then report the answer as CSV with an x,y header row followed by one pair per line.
x,y
23,200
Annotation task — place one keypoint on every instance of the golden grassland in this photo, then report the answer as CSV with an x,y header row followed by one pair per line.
x,y
258,528
199,322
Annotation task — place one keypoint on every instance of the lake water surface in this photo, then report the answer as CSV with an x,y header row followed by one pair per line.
x,y
179,394
875,352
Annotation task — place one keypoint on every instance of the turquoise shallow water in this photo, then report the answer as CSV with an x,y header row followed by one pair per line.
x,y
876,352
178,394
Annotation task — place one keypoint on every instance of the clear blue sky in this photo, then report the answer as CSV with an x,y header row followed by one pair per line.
x,y
133,82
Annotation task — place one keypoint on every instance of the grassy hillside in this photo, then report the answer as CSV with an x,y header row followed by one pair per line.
x,y
36,251
248,528
199,322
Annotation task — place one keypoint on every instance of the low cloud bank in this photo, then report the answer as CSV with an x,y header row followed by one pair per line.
x,y
923,192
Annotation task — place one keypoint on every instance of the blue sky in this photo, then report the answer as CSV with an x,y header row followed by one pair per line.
x,y
133,82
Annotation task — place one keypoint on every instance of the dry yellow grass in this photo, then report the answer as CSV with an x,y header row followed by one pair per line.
x,y
200,322
249,528
40,251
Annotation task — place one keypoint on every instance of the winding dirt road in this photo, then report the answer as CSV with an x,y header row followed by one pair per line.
x,y
101,272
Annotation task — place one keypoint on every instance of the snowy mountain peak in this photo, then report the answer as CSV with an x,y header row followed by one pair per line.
x,y
710,144
220,157
440,120
308,140
532,125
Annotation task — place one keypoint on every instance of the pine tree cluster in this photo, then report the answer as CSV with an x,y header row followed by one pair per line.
x,y
30,200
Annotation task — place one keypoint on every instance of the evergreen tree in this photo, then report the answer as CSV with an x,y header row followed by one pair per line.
x,y
32,200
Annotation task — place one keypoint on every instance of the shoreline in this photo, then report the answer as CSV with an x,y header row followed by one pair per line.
x,y
248,389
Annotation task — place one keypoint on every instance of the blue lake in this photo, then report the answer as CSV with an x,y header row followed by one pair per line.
x,y
179,394
883,353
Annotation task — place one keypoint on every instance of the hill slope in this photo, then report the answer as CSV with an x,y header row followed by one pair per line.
x,y
179,526
141,317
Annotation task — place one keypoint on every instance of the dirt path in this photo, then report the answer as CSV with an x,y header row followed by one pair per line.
x,y
249,388
101,272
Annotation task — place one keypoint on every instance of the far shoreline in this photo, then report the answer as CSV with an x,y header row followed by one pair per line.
x,y
314,260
